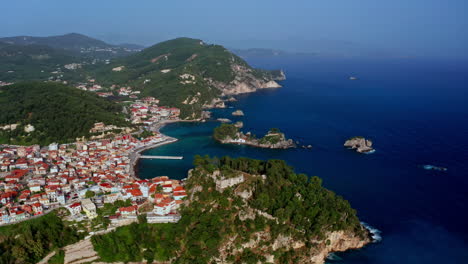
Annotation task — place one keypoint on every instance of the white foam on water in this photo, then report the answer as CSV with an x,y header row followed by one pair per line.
x,y
375,233
333,256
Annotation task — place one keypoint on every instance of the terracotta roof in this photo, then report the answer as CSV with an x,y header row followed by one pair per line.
x,y
128,209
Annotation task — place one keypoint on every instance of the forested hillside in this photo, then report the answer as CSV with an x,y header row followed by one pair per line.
x,y
32,62
185,73
30,241
55,112
240,223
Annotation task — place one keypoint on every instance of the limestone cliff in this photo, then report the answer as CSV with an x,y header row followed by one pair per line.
x,y
247,80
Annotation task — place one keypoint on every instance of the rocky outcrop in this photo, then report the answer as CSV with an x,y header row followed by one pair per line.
x,y
360,144
224,182
246,80
215,103
224,120
238,113
338,241
239,124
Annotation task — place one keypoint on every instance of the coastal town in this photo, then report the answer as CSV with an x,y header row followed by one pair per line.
x,y
85,176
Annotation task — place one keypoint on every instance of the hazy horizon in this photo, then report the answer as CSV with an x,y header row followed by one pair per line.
x,y
430,28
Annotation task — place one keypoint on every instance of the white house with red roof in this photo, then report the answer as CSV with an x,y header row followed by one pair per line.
x,y
164,207
37,208
179,193
74,208
130,211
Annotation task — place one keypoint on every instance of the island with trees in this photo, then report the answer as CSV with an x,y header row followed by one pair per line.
x,y
230,134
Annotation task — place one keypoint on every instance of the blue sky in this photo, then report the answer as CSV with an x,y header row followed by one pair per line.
x,y
406,27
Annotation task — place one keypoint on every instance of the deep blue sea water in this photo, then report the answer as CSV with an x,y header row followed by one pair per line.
x,y
415,111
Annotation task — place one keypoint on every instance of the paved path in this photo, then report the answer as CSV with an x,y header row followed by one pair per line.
x,y
45,260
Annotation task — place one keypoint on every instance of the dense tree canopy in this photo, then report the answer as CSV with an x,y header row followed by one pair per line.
x,y
57,112
30,241
225,131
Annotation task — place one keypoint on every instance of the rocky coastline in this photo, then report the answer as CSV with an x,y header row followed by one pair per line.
x,y
284,144
307,250
245,81
272,140
338,241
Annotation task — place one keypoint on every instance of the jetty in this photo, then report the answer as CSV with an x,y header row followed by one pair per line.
x,y
161,157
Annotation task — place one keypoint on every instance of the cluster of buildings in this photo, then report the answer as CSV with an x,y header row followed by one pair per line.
x,y
91,86
35,180
147,111
2,83
72,66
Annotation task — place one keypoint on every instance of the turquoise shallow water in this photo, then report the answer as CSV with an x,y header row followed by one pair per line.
x,y
414,111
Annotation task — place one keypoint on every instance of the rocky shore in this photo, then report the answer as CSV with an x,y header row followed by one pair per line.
x,y
338,241
282,144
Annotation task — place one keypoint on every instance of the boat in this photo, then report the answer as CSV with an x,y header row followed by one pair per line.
x,y
432,167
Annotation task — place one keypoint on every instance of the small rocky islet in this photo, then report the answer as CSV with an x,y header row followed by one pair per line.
x,y
360,144
238,113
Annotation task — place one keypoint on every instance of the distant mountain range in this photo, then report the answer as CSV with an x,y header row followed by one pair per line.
x,y
72,41
77,43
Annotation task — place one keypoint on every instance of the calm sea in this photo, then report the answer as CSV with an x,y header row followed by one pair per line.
x,y
415,111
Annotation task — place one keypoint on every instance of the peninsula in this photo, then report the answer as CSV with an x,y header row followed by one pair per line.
x,y
243,209
230,134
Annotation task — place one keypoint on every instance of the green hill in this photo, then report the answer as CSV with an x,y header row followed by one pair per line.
x,y
32,62
243,211
185,73
58,113
67,41
79,43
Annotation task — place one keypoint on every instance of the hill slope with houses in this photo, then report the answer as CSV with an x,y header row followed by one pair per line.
x,y
185,73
